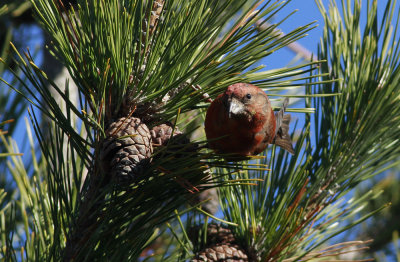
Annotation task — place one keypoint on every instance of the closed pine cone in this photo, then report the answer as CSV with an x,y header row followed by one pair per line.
x,y
179,143
221,245
161,134
127,149
221,253
215,234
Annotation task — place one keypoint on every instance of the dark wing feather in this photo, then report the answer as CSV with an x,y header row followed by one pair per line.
x,y
282,137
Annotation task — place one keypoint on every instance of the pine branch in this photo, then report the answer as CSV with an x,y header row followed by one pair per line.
x,y
297,207
101,45
335,251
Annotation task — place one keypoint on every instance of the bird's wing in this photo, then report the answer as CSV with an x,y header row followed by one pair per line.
x,y
279,116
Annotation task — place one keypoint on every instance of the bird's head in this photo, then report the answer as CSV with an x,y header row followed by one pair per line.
x,y
244,100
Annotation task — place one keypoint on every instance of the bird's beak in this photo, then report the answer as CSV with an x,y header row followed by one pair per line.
x,y
235,107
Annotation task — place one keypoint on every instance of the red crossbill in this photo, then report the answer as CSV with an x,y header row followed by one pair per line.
x,y
241,122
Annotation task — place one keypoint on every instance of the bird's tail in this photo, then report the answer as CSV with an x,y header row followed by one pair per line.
x,y
282,137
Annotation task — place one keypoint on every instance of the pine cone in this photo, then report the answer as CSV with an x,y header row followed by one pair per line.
x,y
221,253
221,245
126,149
215,234
161,134
219,234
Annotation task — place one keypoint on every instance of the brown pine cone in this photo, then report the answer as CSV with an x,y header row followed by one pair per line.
x,y
221,253
219,234
215,234
127,149
221,245
161,134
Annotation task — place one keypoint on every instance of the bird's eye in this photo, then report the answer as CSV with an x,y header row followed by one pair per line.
x,y
248,96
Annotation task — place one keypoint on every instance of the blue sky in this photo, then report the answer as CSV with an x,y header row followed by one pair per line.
x,y
307,12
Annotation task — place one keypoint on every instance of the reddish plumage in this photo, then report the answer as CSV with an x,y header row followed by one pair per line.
x,y
241,122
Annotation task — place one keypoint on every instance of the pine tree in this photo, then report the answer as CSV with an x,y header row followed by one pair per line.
x,y
121,172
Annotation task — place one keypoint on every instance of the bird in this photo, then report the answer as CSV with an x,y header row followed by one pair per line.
x,y
241,122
